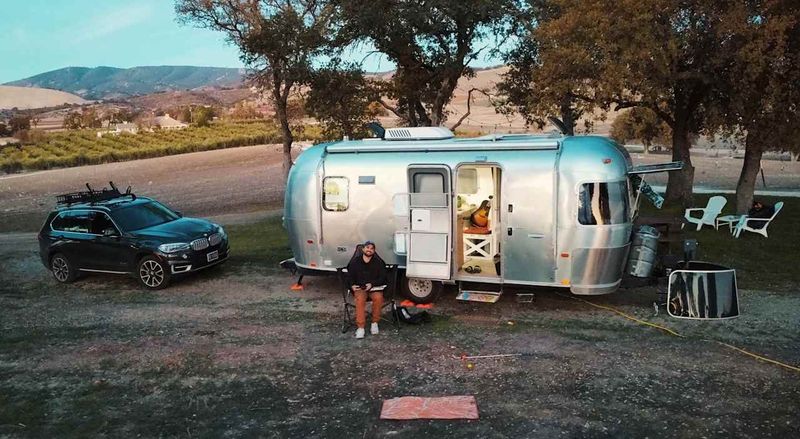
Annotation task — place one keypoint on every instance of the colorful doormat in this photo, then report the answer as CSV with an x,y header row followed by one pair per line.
x,y
417,407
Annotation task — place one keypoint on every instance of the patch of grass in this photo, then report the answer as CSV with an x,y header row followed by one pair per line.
x,y
760,263
264,243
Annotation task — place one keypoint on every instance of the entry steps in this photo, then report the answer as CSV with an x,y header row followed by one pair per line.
x,y
479,292
487,293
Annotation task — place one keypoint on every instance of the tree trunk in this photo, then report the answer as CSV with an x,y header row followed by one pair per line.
x,y
749,175
795,156
646,147
679,185
281,106
567,115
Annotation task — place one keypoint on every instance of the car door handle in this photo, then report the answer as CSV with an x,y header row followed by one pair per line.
x,y
536,235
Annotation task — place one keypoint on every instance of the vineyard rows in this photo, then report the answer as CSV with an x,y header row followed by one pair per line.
x,y
77,148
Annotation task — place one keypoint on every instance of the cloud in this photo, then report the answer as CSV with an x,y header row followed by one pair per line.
x,y
113,21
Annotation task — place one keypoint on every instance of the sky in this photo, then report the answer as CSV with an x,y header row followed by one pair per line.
x,y
37,36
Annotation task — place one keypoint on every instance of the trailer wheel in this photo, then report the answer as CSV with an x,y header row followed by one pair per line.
x,y
421,291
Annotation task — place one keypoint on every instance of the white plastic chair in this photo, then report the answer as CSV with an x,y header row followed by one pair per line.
x,y
710,212
744,223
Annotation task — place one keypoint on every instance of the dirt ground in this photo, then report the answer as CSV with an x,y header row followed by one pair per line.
x,y
232,352
235,180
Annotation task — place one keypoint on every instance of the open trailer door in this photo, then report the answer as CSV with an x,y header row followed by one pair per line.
x,y
429,235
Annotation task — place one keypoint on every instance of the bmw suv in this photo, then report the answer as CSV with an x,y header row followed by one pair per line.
x,y
107,231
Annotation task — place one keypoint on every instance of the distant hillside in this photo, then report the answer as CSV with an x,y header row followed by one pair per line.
x,y
25,98
112,82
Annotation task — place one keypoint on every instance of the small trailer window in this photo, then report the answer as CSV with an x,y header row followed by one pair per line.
x,y
335,194
603,203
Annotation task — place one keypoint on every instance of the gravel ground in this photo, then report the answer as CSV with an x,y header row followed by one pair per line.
x,y
233,352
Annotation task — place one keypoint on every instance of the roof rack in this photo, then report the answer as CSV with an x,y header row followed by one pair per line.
x,y
93,196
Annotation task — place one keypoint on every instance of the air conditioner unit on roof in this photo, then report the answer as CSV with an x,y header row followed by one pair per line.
x,y
418,133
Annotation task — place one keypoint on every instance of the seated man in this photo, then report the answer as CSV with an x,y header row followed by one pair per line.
x,y
760,210
367,276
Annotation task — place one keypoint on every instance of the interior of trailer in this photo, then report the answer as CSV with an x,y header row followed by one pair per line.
x,y
478,220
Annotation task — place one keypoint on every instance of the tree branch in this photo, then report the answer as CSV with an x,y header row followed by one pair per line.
x,y
469,106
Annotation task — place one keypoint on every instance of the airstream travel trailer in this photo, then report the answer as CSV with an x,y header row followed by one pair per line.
x,y
558,209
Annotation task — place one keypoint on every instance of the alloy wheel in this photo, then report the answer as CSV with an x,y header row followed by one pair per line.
x,y
151,273
60,269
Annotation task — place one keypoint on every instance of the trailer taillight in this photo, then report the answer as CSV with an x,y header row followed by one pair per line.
x,y
606,161
565,255
309,242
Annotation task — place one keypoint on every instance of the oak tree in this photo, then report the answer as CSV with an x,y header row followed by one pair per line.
x,y
278,40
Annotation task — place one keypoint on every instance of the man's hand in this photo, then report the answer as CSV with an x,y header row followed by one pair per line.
x,y
355,287
368,287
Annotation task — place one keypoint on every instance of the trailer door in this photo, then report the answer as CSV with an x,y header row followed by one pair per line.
x,y
429,243
529,209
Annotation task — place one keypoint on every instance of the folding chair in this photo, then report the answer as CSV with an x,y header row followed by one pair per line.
x,y
348,297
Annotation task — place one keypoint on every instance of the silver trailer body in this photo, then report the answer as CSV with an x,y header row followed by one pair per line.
x,y
561,208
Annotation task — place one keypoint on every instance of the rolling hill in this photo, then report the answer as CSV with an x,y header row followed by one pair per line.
x,y
25,98
112,82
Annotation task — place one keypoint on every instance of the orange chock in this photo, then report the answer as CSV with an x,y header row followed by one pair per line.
x,y
296,287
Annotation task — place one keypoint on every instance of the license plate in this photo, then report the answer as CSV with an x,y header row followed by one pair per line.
x,y
213,256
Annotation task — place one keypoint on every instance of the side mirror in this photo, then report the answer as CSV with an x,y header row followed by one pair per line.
x,y
177,212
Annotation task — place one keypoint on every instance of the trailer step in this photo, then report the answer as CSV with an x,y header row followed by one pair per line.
x,y
487,293
478,296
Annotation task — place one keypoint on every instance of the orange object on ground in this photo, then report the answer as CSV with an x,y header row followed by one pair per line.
x,y
409,304
417,407
296,287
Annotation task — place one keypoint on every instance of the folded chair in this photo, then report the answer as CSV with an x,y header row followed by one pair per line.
x,y
709,213
752,224
348,298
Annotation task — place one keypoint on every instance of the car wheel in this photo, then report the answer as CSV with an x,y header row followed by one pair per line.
x,y
153,273
421,291
63,271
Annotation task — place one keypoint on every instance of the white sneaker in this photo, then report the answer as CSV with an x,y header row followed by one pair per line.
x,y
373,329
360,333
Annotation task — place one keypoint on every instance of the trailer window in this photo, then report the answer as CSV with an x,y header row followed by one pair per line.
x,y
429,183
603,203
335,194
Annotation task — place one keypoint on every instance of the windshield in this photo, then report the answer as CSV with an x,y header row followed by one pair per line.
x,y
142,216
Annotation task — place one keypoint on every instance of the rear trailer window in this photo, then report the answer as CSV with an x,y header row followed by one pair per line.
x,y
335,194
142,216
603,203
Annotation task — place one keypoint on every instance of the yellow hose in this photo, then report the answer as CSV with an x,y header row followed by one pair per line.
x,y
672,332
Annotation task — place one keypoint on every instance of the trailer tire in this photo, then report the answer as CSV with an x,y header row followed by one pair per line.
x,y
421,291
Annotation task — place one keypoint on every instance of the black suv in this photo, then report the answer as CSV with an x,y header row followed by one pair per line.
x,y
111,232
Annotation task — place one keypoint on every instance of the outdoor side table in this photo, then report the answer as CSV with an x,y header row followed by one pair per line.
x,y
730,220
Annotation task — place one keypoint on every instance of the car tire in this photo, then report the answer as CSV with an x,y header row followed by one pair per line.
x,y
63,270
421,291
153,273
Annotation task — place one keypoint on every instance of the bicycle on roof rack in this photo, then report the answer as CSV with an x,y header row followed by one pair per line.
x,y
93,196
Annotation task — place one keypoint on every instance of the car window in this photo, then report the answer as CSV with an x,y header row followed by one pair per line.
x,y
75,222
141,216
100,223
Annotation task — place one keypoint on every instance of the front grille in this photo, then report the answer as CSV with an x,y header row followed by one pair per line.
x,y
215,239
199,244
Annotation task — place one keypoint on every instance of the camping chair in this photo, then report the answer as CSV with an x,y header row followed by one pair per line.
x,y
745,222
348,298
710,212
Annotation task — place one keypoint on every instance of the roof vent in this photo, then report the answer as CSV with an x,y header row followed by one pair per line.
x,y
418,133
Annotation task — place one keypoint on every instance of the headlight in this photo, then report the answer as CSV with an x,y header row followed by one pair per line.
x,y
221,231
173,247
